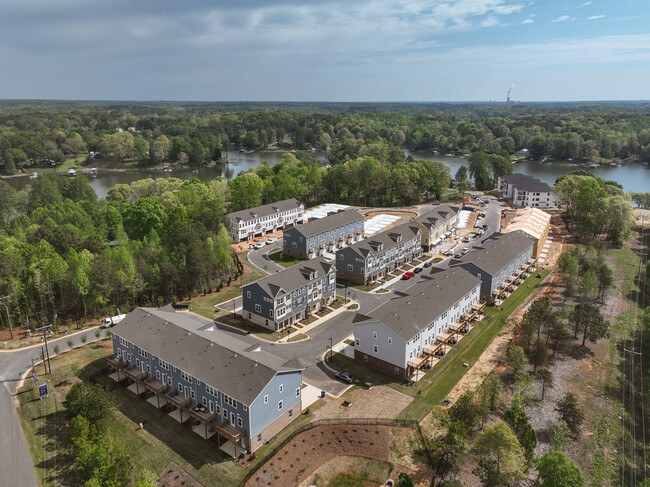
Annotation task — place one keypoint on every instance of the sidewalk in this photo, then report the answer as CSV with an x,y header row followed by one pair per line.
x,y
50,340
319,321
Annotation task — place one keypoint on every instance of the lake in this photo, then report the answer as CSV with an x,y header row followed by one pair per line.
x,y
633,177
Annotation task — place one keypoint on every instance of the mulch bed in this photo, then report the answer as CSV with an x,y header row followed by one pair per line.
x,y
174,476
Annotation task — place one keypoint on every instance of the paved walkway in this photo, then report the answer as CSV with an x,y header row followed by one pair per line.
x,y
319,321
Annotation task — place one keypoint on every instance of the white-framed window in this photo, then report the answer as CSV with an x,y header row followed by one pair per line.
x,y
350,267
297,391
374,334
163,364
290,412
229,400
240,423
245,407
211,406
128,357
340,256
397,370
248,294
217,409
375,348
390,340
365,357
119,353
259,437
180,387
186,377
266,399
148,369
169,380
192,393
280,405
357,342
204,401
294,245
281,388
143,353
258,308
158,374
137,363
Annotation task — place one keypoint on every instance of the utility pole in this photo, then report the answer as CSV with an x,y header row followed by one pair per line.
x,y
45,329
4,301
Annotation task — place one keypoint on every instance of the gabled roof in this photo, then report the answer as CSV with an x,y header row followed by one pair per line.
x,y
497,252
534,222
334,220
526,183
410,312
383,241
293,277
203,351
265,210
431,218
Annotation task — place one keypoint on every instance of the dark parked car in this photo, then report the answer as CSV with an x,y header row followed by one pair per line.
x,y
417,270
427,264
345,377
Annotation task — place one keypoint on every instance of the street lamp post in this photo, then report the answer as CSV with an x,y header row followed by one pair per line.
x,y
330,350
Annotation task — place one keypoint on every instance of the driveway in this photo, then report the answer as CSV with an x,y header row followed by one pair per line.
x,y
260,258
16,467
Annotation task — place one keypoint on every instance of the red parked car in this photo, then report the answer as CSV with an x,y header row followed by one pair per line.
x,y
407,275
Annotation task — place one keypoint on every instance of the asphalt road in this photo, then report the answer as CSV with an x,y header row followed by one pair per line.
x,y
260,258
16,468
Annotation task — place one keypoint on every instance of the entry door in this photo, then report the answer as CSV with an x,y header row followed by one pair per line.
x,y
186,392
232,419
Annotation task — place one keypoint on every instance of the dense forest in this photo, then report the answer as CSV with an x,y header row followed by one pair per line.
x,y
64,255
48,132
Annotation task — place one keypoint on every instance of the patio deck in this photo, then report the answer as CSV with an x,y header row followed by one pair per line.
x,y
178,415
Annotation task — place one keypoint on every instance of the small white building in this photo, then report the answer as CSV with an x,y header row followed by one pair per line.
x,y
526,190
258,221
401,329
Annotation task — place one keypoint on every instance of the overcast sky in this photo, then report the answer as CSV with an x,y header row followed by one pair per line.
x,y
325,50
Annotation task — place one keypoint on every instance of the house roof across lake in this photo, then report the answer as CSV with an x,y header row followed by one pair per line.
x,y
524,182
265,210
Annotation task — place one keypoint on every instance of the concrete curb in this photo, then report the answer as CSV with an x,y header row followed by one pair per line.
x,y
52,340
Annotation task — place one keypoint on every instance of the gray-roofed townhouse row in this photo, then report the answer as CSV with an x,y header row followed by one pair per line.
x,y
400,330
371,259
246,395
279,300
258,221
314,238
525,190
437,224
496,260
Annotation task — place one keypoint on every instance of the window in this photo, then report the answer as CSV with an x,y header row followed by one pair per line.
x,y
211,390
239,422
298,392
294,245
350,267
290,412
143,353
211,406
357,342
192,393
186,377
180,387
340,257
248,294
266,399
163,364
390,340
148,369
225,413
375,348
374,334
271,313
245,408
204,401
217,409
158,374
137,363
397,370
169,380
280,406
119,352
259,437
365,357
229,400
281,388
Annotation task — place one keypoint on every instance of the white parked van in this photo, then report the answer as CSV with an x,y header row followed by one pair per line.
x,y
113,320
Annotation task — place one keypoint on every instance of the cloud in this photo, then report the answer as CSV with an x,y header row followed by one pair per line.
x,y
561,18
584,4
489,21
595,17
527,21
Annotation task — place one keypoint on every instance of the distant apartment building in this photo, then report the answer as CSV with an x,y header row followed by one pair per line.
x,y
391,336
222,385
525,190
371,259
436,225
314,238
281,299
496,260
258,221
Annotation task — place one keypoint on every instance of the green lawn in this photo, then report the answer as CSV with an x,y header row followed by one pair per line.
x,y
282,259
354,285
297,337
227,318
161,441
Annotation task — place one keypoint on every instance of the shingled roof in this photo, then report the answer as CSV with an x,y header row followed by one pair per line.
x,y
410,312
497,252
234,367
334,220
265,210
293,277
526,183
385,240
430,218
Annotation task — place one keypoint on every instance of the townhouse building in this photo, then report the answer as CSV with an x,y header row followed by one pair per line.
x,y
314,238
281,299
371,259
223,386
525,190
436,225
496,260
399,331
258,221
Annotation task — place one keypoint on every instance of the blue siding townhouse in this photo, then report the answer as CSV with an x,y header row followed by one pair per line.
x,y
314,238
223,388
279,300
371,259
496,260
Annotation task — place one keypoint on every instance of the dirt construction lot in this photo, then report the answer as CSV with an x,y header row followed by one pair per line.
x,y
378,402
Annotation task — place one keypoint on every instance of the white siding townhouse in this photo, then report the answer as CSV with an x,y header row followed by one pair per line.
x,y
279,300
258,221
370,260
436,225
401,329
525,190
226,388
